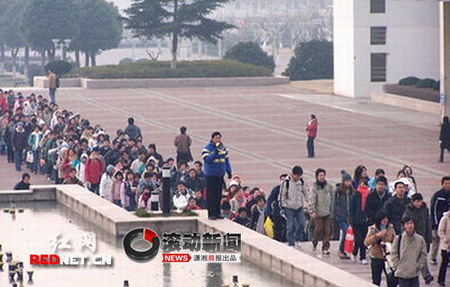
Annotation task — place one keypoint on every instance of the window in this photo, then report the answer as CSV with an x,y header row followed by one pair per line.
x,y
378,35
378,67
377,6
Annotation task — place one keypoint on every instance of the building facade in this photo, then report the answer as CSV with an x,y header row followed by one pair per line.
x,y
383,41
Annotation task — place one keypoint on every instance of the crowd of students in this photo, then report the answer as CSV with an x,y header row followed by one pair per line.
x,y
69,149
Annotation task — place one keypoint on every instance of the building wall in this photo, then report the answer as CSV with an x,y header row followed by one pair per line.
x,y
344,67
412,43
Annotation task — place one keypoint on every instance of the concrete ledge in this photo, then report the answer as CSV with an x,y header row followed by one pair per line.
x,y
45,194
293,265
406,102
42,82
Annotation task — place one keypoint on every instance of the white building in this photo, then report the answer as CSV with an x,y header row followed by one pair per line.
x,y
383,41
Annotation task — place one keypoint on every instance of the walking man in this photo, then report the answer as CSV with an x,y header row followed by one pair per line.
x,y
273,210
444,138
217,163
439,204
409,254
320,210
52,86
311,132
293,197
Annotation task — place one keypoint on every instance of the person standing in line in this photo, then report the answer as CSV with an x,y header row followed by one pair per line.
x,y
340,208
444,138
217,163
293,198
440,203
19,141
183,143
358,220
376,199
444,235
396,205
52,86
409,258
311,133
273,210
320,210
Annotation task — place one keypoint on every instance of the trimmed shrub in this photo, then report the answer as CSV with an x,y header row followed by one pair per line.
x,y
426,83
408,81
126,61
59,67
185,69
437,86
142,60
250,53
312,60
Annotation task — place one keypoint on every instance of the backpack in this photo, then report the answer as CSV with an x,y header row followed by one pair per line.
x,y
57,82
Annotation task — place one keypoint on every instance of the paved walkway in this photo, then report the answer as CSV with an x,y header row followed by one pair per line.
x,y
264,128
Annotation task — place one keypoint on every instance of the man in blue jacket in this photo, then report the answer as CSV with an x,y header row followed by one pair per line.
x,y
217,163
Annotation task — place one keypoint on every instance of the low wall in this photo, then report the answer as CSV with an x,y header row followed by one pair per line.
x,y
407,103
42,82
293,265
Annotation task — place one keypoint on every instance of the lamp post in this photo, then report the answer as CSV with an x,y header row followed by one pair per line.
x,y
62,44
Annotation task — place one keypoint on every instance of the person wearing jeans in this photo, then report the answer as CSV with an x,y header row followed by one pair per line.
x,y
293,196
52,86
311,133
444,235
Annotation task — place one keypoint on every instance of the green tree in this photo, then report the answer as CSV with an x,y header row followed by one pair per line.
x,y
251,53
44,20
10,29
312,60
150,19
100,29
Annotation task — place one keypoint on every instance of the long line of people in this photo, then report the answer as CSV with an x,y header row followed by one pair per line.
x,y
68,149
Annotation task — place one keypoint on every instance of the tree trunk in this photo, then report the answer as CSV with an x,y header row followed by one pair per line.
x,y
86,59
77,58
43,59
93,59
27,60
14,52
173,65
2,53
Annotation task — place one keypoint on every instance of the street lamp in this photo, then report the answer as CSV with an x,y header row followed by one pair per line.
x,y
62,44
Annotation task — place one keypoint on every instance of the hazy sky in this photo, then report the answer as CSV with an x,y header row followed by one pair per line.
x,y
122,4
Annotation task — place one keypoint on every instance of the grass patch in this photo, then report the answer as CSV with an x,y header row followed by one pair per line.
x,y
185,69
142,212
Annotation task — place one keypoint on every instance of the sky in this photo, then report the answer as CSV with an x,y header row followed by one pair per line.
x,y
122,4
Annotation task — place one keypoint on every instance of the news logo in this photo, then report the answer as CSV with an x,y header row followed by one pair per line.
x,y
140,234
197,247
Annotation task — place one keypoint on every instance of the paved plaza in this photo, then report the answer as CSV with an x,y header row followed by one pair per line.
x,y
264,128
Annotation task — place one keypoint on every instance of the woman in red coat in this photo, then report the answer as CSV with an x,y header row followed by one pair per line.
x,y
311,132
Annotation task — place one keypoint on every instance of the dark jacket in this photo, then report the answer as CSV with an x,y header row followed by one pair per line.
x,y
193,183
340,205
374,203
444,135
19,140
242,221
132,131
395,208
273,204
356,214
22,186
439,204
421,218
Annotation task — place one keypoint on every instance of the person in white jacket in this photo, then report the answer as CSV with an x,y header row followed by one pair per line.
x,y
80,168
182,196
106,182
444,235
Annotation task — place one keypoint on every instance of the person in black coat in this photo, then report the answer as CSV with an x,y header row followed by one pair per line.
x,y
273,211
24,184
19,141
444,137
376,200
396,205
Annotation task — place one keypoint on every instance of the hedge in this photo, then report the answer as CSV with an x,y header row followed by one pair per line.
x,y
159,69
413,92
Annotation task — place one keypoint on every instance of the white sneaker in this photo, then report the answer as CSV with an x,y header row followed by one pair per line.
x,y
364,262
326,252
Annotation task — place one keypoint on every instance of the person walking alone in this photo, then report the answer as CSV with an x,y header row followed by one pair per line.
x,y
52,86
217,163
311,133
444,137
